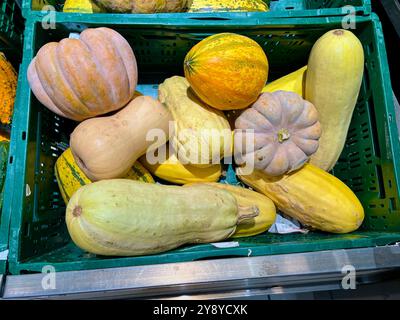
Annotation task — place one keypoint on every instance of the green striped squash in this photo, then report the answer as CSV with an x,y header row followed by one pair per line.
x,y
70,177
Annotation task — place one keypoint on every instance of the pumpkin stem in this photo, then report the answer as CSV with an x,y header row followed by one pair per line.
x,y
283,135
246,213
77,212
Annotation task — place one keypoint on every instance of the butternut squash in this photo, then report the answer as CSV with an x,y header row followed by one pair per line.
x,y
312,196
107,147
334,76
246,197
130,218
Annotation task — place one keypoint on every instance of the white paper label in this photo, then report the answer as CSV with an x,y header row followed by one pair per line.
x,y
222,245
285,226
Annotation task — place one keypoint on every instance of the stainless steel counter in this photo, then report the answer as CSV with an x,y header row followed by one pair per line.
x,y
211,279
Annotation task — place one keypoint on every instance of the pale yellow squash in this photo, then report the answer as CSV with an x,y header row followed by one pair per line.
x,y
333,81
130,218
294,82
246,197
314,197
202,135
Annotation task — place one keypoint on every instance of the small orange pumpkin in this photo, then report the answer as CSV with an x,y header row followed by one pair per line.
x,y
86,77
227,71
286,133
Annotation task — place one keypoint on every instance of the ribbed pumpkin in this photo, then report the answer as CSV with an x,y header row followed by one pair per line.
x,y
172,170
312,196
284,133
202,135
227,71
86,77
70,177
228,5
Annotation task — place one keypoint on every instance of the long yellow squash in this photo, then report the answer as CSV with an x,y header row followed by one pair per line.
x,y
294,82
334,76
246,197
172,170
128,218
314,197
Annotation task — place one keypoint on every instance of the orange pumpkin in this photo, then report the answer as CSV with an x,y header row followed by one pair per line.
x,y
86,77
227,71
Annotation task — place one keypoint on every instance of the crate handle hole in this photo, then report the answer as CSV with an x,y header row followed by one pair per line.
x,y
24,135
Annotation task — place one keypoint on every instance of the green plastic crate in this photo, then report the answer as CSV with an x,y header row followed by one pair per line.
x,y
279,8
11,33
38,234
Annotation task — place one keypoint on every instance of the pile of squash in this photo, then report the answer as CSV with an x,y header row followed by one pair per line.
x,y
163,6
283,137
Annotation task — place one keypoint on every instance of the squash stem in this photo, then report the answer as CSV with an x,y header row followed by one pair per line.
x,y
246,213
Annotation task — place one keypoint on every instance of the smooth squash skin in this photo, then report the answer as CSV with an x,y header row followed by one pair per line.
x,y
129,218
246,197
172,170
107,147
70,177
334,76
294,82
312,196
227,71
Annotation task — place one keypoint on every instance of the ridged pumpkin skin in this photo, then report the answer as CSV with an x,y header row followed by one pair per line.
x,y
70,177
227,71
172,170
246,197
196,125
130,218
294,82
334,76
228,5
144,6
107,147
285,132
312,196
82,6
83,78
